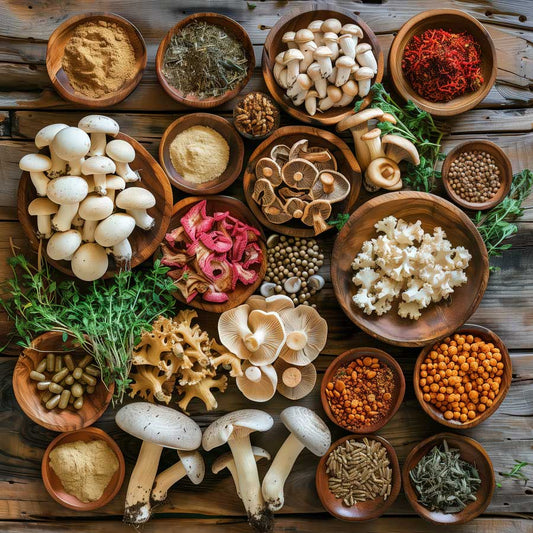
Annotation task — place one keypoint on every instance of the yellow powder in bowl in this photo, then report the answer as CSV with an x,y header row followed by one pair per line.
x,y
199,154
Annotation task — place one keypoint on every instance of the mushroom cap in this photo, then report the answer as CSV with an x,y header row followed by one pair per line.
x,y
272,304
89,262
315,25
334,93
67,190
35,163
159,425
362,48
71,143
268,169
115,183
46,135
42,206
275,212
226,459
263,192
288,37
308,428
63,244
341,187
331,24
321,52
292,54
258,391
114,229
121,151
313,71
135,198
246,421
372,134
99,124
404,147
194,465
358,119
350,88
96,207
280,153
345,61
374,173
322,207
279,58
299,173
364,73
295,382
295,207
331,37
304,81
298,148
352,29
98,164
303,36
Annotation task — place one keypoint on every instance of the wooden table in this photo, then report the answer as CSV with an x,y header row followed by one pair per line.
x,y
27,102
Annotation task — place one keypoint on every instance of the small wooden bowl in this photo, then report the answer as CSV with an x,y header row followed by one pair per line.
x,y
277,118
452,20
27,394
488,336
437,320
363,511
288,135
240,211
231,27
53,483
296,20
472,452
220,125
502,162
55,51
345,359
143,243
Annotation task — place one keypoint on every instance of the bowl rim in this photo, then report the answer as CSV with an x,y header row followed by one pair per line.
x,y
437,415
356,353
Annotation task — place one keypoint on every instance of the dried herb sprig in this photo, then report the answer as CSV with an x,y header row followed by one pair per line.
x,y
339,221
516,472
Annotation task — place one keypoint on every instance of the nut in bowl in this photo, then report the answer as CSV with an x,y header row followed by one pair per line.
x,y
256,116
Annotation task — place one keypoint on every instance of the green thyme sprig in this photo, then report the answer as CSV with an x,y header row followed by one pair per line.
x,y
339,221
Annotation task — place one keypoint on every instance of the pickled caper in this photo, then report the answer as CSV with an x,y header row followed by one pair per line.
x,y
92,370
63,401
52,402
55,388
69,380
37,376
43,385
61,375
50,362
85,361
41,367
69,363
77,372
78,404
76,390
58,364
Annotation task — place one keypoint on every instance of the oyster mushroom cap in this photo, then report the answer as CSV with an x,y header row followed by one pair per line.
x,y
267,168
299,173
399,149
295,382
263,192
260,385
316,213
331,186
295,207
272,304
298,148
322,158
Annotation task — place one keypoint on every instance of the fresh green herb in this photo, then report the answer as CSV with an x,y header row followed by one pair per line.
x,y
250,5
419,127
339,222
106,318
516,472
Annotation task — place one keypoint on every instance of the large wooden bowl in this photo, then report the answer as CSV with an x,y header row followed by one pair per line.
x,y
296,20
437,320
370,509
27,394
143,243
488,336
288,135
240,211
472,452
231,27
55,51
220,125
53,484
452,20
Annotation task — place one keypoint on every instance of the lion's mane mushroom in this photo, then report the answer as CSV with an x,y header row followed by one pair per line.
x,y
331,186
135,201
299,173
295,382
399,149
316,213
89,262
234,429
67,192
158,427
309,431
43,208
98,126
37,165
258,383
191,464
267,168
122,153
72,145
44,138
63,245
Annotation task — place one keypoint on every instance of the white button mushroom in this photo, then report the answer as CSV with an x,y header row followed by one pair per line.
x,y
321,84
316,27
349,92
122,252
68,192
63,245
304,40
288,39
43,208
44,138
310,102
114,229
98,126
135,201
332,25
344,67
122,153
72,145
291,59
89,262
363,76
365,57
92,210
323,56
298,91
279,66
347,46
37,165
112,184
98,167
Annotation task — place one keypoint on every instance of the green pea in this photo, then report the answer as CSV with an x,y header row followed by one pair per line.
x,y
77,372
69,380
76,390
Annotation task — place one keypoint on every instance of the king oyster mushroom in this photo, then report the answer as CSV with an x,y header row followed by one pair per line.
x,y
400,149
257,383
295,382
316,213
331,186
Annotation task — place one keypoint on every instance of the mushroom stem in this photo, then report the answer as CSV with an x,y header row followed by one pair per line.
x,y
137,509
58,167
44,226
296,340
254,341
63,219
40,182
166,479
142,218
98,143
87,233
291,377
253,374
278,472
328,183
74,166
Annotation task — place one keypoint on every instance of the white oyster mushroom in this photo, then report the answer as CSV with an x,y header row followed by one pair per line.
x,y
43,208
98,126
37,165
93,209
68,192
114,229
72,145
122,153
98,167
135,201
63,245
271,304
44,138
258,383
89,262
295,382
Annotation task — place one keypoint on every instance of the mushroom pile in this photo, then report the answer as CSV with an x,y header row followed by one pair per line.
x,y
79,208
325,65
263,329
378,156
299,182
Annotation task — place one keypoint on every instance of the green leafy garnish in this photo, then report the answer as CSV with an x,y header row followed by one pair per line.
x,y
339,222
516,472
251,5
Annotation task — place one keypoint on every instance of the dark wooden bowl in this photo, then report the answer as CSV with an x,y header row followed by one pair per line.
x,y
437,320
231,27
347,165
502,162
345,359
53,483
240,211
55,51
488,336
220,125
368,510
277,118
472,452
295,20
143,243
27,394
452,20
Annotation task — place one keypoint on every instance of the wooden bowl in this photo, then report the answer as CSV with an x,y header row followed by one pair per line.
x,y
240,211
277,118
488,336
298,19
53,483
55,51
502,162
472,452
347,165
27,395
231,27
452,20
345,359
368,510
143,243
437,320
220,125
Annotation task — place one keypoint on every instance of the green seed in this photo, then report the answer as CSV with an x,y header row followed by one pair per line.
x,y
78,404
41,367
43,385
69,363
55,388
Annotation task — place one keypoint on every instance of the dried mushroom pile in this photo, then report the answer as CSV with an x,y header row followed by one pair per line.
x,y
299,182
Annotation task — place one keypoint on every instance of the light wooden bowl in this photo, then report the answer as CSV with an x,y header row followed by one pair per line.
x,y
53,483
27,394
298,19
240,211
452,20
55,51
472,452
231,27
437,320
345,359
143,243
363,511
347,165
488,336
220,125
502,162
